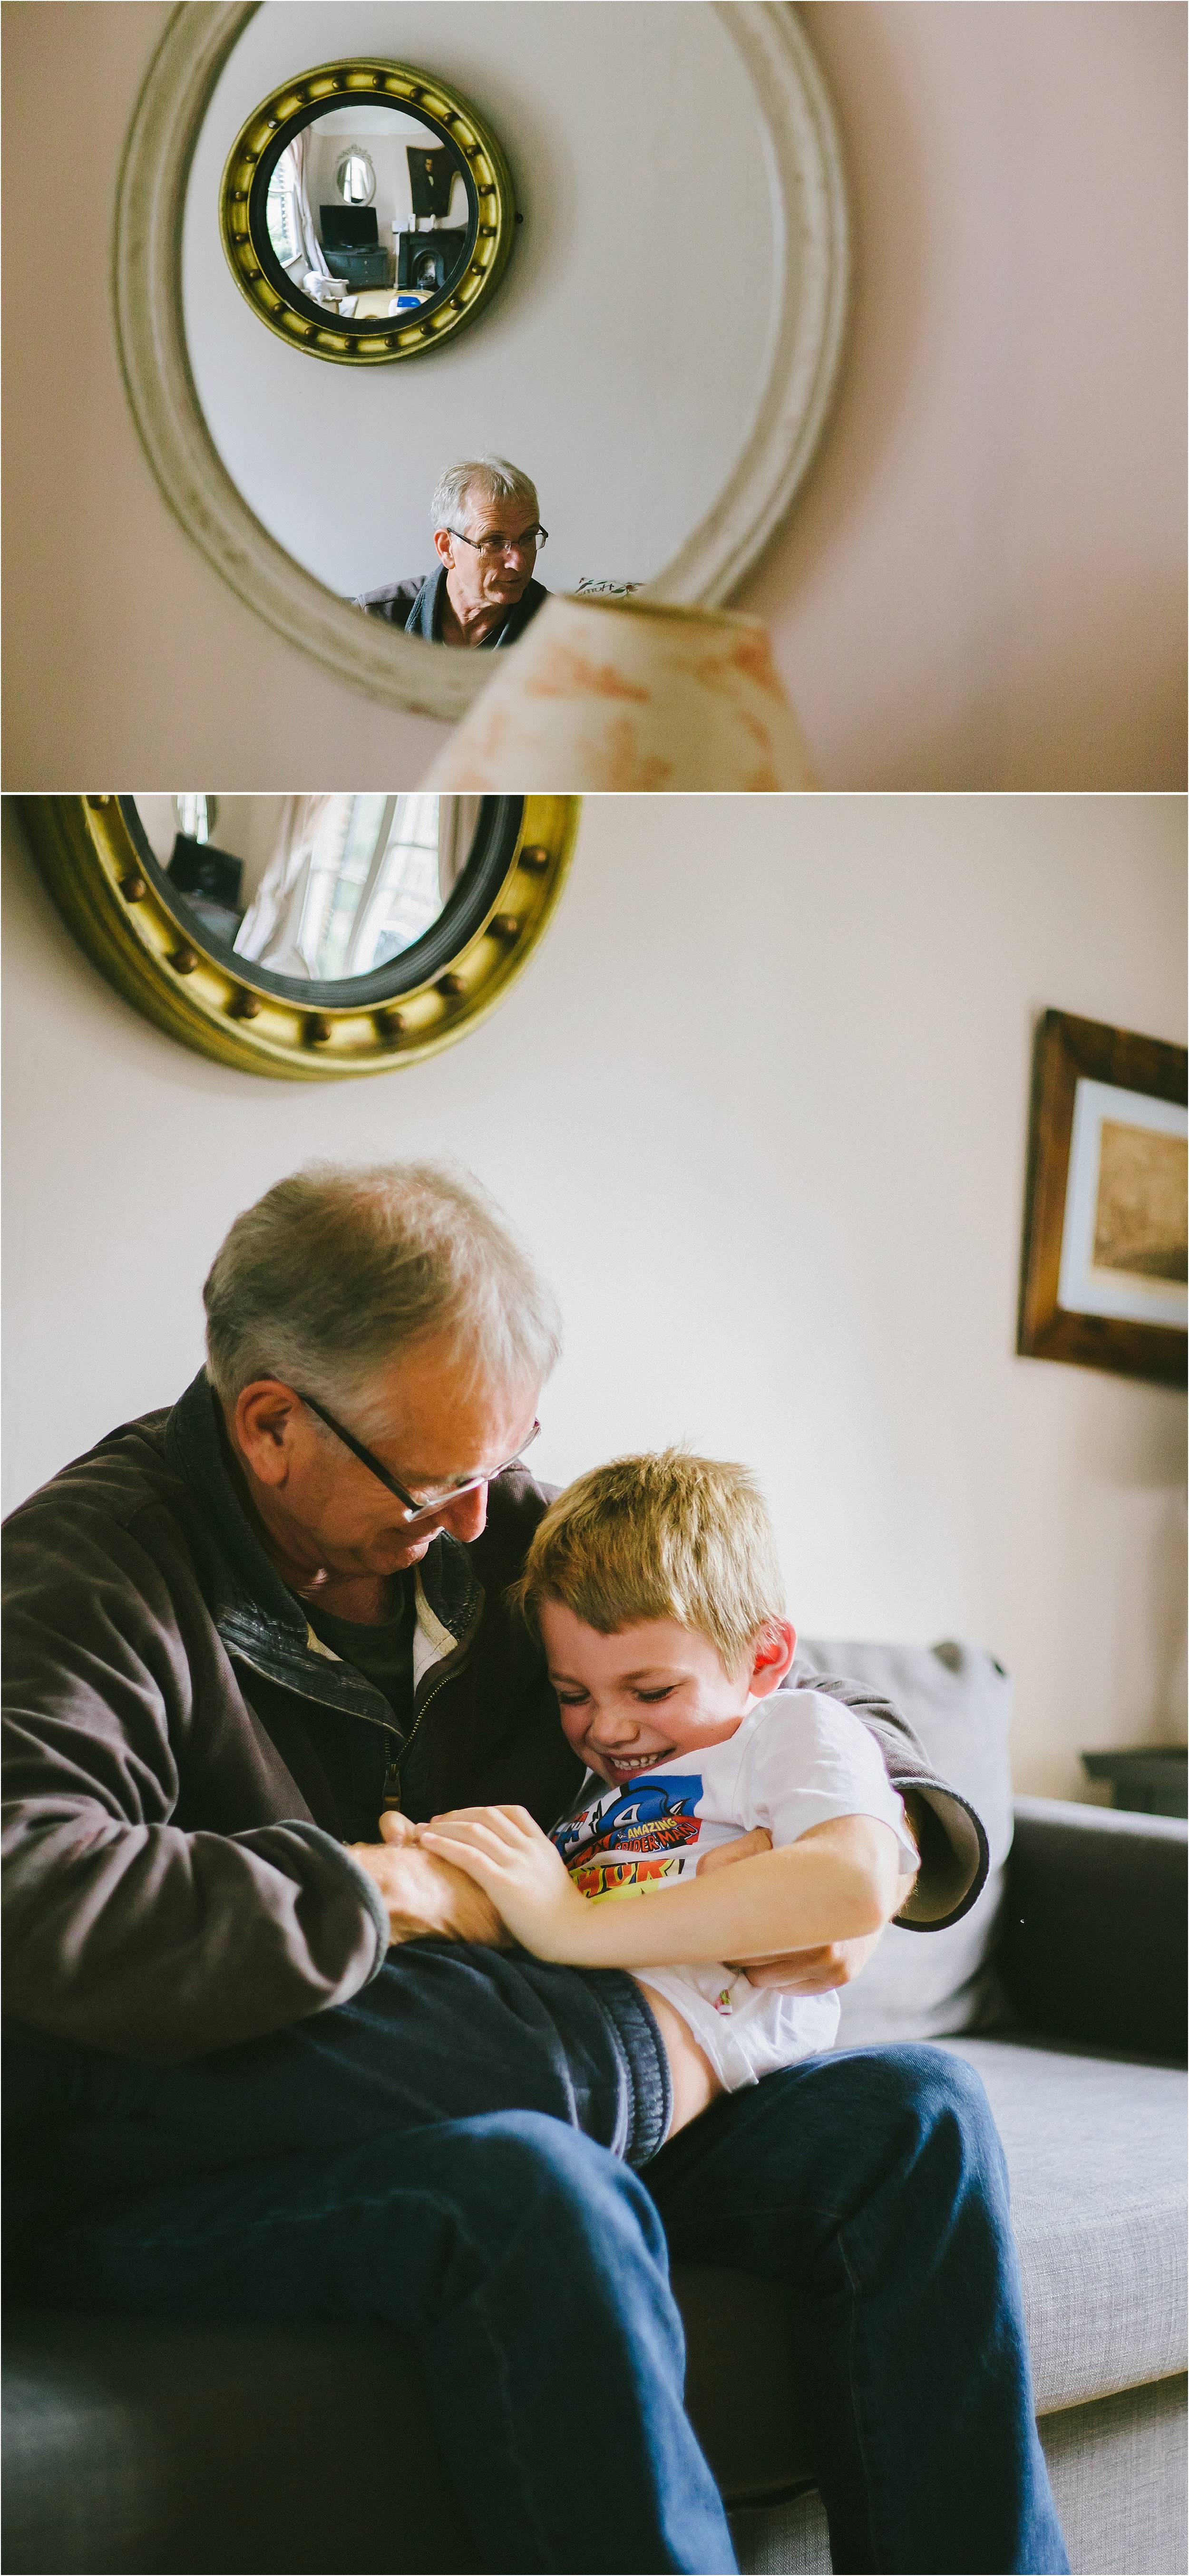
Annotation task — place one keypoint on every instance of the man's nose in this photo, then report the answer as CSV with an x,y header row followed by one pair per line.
x,y
467,1518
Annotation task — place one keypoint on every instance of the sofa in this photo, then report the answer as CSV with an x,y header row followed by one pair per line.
x,y
136,2447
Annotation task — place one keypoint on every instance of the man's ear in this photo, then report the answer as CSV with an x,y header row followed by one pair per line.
x,y
263,1425
442,542
771,1656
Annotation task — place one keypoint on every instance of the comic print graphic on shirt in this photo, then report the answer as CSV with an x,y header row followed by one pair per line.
x,y
634,1839
650,1815
624,1877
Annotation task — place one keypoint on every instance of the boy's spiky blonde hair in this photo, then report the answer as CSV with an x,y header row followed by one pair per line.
x,y
660,1537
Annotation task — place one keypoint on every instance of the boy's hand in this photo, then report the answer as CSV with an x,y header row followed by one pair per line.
x,y
518,1868
802,1972
811,1972
425,1896
745,1847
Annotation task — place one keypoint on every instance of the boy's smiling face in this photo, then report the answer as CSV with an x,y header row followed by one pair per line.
x,y
653,1690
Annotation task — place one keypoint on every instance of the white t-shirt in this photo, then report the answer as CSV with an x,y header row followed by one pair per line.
x,y
796,1760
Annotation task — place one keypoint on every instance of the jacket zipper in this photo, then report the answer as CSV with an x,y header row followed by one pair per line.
x,y
392,1776
391,1790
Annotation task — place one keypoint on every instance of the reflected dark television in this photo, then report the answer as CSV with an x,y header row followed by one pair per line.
x,y
348,227
211,881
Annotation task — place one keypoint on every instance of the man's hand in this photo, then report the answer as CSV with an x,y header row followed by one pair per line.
x,y
801,1972
425,1895
505,1851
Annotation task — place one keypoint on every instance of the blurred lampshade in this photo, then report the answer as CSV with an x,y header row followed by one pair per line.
x,y
629,695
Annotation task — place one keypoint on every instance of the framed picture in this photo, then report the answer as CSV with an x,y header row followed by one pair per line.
x,y
1103,1274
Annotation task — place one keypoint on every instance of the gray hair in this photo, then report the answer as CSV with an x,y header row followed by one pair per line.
x,y
491,475
336,1270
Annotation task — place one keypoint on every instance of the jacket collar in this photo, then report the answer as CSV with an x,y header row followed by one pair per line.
x,y
262,1622
425,615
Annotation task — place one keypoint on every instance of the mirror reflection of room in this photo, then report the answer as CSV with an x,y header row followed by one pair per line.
x,y
367,212
316,887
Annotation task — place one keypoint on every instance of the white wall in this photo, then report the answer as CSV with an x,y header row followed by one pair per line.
x,y
983,583
639,169
760,1102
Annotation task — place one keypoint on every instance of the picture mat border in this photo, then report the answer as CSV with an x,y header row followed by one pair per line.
x,y
1083,1289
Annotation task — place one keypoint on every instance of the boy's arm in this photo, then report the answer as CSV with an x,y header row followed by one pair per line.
x,y
837,1881
821,1969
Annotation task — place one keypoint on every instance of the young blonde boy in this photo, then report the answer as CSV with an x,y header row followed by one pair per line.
x,y
655,1588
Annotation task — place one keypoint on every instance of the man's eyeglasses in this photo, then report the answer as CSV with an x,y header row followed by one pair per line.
x,y
530,541
416,1509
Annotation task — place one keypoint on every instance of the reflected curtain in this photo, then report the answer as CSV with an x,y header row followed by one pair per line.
x,y
458,822
271,930
298,155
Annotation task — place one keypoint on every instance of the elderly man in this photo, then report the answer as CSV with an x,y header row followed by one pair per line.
x,y
487,534
248,1639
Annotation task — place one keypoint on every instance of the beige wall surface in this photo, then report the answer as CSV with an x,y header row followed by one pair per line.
x,y
760,1104
982,585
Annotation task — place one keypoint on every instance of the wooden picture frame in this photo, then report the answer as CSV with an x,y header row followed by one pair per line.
x,y
1070,1052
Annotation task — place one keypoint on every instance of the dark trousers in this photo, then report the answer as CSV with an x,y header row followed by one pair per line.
x,y
441,2155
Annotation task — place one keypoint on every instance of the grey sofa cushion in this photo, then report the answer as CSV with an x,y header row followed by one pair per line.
x,y
1096,2154
920,1985
1117,2469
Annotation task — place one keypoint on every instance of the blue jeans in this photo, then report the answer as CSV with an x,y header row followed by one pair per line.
x,y
446,2155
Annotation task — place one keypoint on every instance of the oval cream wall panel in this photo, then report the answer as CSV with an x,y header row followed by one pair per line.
x,y
624,354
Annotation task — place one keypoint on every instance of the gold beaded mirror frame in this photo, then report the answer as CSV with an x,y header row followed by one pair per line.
x,y
153,942
405,316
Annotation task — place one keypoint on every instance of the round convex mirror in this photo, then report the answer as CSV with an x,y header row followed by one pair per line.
x,y
366,211
307,935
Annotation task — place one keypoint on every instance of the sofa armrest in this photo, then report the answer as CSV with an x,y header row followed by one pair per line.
x,y
1093,1939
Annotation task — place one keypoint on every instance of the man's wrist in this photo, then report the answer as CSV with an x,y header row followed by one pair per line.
x,y
425,1897
371,1897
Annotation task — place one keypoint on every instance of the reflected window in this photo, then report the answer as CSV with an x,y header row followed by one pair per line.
x,y
383,897
196,816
